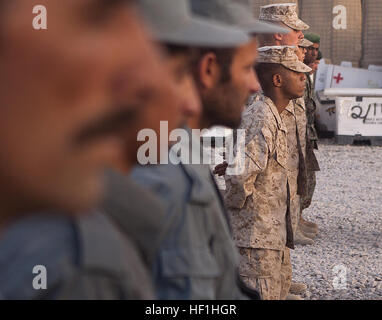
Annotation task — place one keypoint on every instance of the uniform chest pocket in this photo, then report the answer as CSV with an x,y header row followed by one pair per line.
x,y
188,275
281,159
281,152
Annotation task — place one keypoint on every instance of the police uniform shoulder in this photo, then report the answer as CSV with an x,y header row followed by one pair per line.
x,y
164,181
131,207
151,176
122,191
97,235
47,242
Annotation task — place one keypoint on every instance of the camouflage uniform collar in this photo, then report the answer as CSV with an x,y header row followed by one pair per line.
x,y
273,108
300,102
290,107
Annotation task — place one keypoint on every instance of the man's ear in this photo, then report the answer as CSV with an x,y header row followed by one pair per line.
x,y
208,70
278,36
277,80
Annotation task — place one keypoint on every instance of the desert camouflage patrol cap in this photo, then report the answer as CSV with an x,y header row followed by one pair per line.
x,y
230,12
285,13
172,22
284,55
305,43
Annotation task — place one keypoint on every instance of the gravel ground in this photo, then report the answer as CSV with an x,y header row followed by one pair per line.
x,y
347,206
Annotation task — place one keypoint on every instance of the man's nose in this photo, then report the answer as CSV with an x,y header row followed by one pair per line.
x,y
191,105
254,84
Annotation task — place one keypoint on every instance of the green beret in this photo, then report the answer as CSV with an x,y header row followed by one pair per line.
x,y
315,38
319,56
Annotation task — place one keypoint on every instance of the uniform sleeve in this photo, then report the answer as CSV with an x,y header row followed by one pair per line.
x,y
241,185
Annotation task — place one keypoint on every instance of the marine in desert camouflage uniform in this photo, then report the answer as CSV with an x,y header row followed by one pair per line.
x,y
293,115
312,136
304,234
259,200
286,15
311,144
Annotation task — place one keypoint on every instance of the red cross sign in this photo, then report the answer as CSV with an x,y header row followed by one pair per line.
x,y
338,78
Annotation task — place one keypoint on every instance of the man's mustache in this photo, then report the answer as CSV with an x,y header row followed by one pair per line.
x,y
111,124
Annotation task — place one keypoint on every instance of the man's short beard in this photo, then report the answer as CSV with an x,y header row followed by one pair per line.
x,y
309,59
219,107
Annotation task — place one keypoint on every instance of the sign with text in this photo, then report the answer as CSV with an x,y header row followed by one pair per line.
x,y
363,117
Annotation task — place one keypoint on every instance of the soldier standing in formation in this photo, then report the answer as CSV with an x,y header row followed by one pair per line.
x,y
294,117
312,166
259,200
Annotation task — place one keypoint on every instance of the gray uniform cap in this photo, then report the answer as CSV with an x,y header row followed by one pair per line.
x,y
233,13
172,22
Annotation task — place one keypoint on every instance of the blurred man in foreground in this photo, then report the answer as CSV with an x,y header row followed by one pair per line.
x,y
93,73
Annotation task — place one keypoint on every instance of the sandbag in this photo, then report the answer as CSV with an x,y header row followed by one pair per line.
x,y
372,33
